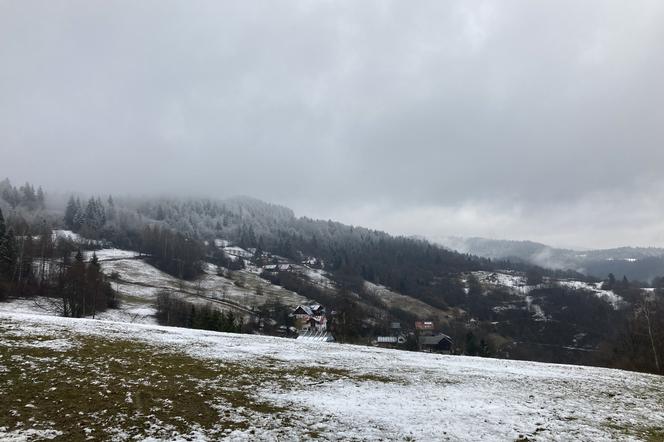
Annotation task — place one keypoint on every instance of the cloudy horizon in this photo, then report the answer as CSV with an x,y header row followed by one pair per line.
x,y
511,120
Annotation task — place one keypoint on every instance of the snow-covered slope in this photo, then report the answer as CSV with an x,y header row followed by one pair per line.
x,y
139,283
596,288
393,299
330,391
515,282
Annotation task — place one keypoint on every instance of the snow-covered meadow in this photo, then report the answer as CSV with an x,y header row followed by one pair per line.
x,y
264,388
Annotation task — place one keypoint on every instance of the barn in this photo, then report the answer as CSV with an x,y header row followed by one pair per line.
x,y
438,343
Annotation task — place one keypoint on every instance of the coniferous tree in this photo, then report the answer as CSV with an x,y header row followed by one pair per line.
x,y
3,228
110,209
23,269
75,288
70,213
3,291
79,217
8,254
45,252
4,252
28,196
93,281
40,197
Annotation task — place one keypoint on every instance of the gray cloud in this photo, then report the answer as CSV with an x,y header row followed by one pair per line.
x,y
512,119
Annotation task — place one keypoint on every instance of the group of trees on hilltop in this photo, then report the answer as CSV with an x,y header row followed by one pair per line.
x,y
36,262
173,311
641,339
24,253
83,288
89,219
169,250
637,339
172,251
24,208
25,195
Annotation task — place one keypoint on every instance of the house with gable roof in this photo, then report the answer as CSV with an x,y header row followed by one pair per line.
x,y
310,318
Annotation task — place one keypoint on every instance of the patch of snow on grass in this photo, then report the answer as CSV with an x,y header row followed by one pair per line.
x,y
27,434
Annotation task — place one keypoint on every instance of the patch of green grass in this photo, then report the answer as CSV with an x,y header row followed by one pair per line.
x,y
100,387
648,434
654,434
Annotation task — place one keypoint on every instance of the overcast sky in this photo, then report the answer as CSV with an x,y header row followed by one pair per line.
x,y
505,119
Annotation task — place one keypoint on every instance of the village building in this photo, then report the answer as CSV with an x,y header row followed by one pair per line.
x,y
424,326
237,252
431,341
310,318
390,341
437,343
274,268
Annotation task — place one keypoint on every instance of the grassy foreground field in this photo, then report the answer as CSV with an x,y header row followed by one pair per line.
x,y
70,379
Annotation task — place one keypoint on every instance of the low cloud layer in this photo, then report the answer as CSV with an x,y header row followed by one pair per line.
x,y
600,220
512,120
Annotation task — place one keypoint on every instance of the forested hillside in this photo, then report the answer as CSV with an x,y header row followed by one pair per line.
x,y
411,266
222,262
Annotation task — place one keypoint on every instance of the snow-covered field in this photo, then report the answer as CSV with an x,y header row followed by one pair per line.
x,y
129,311
263,388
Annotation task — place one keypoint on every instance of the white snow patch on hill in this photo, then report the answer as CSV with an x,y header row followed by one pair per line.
x,y
608,295
68,235
510,280
111,254
139,279
516,283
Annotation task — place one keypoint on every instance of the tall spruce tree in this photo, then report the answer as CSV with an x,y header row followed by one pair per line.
x,y
3,228
7,254
3,247
40,197
70,213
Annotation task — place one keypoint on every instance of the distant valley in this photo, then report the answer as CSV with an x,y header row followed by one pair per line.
x,y
636,263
